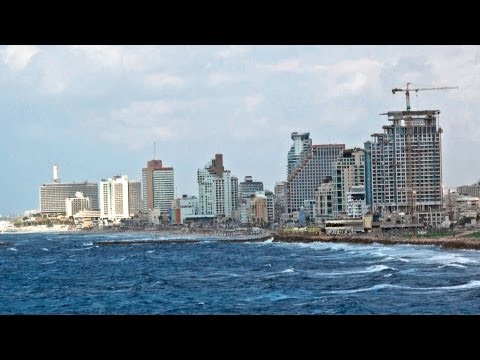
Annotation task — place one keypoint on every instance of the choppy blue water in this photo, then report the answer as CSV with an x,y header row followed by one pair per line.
x,y
68,274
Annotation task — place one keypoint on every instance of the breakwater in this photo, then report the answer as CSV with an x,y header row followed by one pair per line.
x,y
444,242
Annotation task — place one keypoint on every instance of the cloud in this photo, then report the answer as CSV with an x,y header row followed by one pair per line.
x,y
288,65
110,56
163,79
17,57
232,50
220,78
251,102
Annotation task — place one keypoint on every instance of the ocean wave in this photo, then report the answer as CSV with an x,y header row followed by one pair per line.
x,y
370,269
45,249
289,270
470,285
12,249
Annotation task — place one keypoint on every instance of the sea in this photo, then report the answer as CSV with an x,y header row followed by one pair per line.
x,y
71,273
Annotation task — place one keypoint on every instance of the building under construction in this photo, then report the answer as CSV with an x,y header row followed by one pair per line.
x,y
406,163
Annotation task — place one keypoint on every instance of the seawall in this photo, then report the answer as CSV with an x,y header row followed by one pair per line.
x,y
445,242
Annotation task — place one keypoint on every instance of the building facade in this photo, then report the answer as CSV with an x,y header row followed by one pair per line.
x,y
249,187
324,196
406,163
53,195
114,198
134,197
76,204
280,200
355,203
470,190
182,208
349,170
217,189
300,148
158,187
316,165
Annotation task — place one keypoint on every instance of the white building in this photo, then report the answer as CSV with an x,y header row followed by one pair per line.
x,y
53,195
184,207
356,205
76,204
217,189
114,198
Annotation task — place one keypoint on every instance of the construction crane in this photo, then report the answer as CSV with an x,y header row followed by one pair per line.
x,y
408,89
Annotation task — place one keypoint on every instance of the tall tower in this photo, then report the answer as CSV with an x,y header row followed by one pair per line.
x,y
56,179
158,186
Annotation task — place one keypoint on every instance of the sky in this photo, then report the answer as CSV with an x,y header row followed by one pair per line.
x,y
97,110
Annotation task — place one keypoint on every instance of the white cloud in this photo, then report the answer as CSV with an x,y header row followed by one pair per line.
x,y
220,78
251,102
142,113
288,65
163,79
231,51
110,56
17,57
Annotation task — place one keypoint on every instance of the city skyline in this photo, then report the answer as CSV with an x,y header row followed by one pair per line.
x,y
97,110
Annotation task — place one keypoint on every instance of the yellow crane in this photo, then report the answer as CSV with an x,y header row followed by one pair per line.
x,y
408,89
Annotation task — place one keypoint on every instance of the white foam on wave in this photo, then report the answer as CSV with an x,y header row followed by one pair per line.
x,y
370,269
452,265
449,259
150,251
470,285
88,243
289,270
12,249
269,240
45,249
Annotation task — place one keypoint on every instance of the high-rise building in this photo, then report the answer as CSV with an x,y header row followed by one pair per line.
x,y
53,195
299,149
349,170
158,186
406,163
114,198
316,164
134,197
280,200
217,189
248,187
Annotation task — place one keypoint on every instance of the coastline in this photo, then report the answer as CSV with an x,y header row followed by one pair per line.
x,y
457,242
460,243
